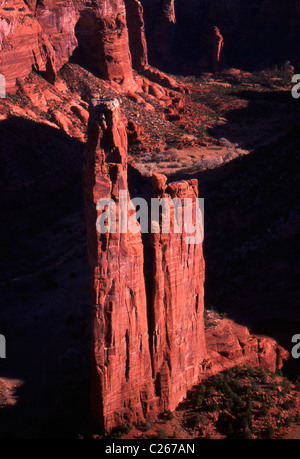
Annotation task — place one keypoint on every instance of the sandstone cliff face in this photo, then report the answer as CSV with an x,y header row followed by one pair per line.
x,y
178,299
107,37
58,20
149,345
121,381
22,43
103,42
229,342
44,35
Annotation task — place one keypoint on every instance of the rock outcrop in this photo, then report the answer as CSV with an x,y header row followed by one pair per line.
x,y
44,35
259,34
22,43
121,380
149,344
218,43
143,361
35,35
231,344
178,294
103,41
136,30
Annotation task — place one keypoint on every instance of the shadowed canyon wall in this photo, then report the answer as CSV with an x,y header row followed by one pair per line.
x,y
256,34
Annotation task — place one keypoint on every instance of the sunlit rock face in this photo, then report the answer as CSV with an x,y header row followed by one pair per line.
x,y
178,297
146,352
122,385
44,35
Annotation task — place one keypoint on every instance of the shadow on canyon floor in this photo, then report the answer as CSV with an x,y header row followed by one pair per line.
x,y
44,282
251,251
252,224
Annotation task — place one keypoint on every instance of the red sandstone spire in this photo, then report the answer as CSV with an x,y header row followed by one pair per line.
x,y
122,388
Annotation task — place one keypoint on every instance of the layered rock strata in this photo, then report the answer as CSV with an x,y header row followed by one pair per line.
x,y
229,343
103,41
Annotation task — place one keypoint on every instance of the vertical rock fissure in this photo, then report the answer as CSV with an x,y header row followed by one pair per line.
x,y
147,270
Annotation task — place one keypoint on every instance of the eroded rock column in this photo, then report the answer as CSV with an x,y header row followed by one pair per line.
x,y
122,385
178,296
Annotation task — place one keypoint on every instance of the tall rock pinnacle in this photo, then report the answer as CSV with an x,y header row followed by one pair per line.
x,y
143,362
121,379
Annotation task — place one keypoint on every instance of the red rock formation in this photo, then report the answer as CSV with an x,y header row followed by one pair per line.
x,y
44,35
178,300
58,20
136,30
122,384
143,362
39,36
122,388
22,43
230,344
103,40
218,43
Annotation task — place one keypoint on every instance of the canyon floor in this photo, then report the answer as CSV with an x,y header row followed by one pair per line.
x,y
238,133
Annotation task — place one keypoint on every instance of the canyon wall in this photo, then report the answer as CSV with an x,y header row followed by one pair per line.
x,y
256,34
43,36
137,37
106,37
109,37
103,41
